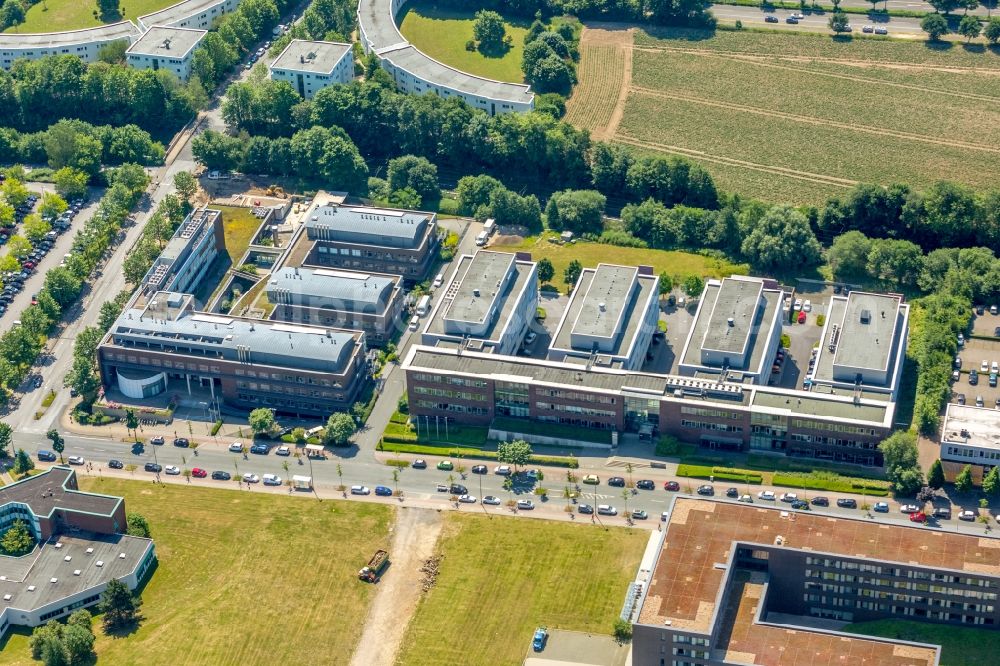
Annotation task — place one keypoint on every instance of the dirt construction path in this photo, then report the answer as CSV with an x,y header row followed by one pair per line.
x,y
415,536
598,102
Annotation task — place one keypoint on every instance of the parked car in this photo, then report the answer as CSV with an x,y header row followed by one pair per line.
x,y
847,503
645,484
383,491
942,513
219,475
250,477
591,479
491,500
789,497
46,456
792,20
199,473
236,447
907,508
172,470
639,514
585,508
881,30
76,460
419,463
766,495
820,501
867,29
732,492
446,465
157,441
457,489
706,490
153,467
116,464
539,638
770,18
607,510
259,449
360,490
918,517
467,499
616,481
746,499
526,504
182,442
801,505
479,469
529,338
283,451
967,515
502,470
881,507
271,479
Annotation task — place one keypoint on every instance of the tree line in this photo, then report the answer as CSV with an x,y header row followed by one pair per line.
x,y
664,12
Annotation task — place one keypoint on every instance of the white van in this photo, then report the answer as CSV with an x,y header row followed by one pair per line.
x,y
482,238
423,306
489,227
439,280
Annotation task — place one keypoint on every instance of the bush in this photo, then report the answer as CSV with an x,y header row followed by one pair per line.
x,y
720,473
216,427
820,320
667,446
398,463
819,480
786,340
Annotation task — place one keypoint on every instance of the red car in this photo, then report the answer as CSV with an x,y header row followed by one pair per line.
x,y
28,265
918,517
672,485
802,317
199,473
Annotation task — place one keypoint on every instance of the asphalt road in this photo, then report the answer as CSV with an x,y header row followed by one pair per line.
x,y
754,16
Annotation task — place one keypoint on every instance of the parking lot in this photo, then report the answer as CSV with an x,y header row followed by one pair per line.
x,y
974,354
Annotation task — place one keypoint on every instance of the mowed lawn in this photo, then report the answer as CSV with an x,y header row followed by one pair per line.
x,y
442,33
673,262
61,15
243,578
239,225
960,646
799,117
501,578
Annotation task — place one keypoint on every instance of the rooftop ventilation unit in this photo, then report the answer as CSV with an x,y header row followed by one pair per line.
x,y
866,316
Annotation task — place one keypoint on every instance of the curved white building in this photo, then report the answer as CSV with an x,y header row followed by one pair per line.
x,y
197,14
416,72
85,44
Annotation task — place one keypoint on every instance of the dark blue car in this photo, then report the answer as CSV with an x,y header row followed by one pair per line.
x,y
385,491
260,449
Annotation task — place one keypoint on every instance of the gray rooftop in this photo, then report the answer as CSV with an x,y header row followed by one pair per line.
x,y
112,31
368,226
618,325
167,42
67,560
867,331
191,230
47,491
478,288
307,56
178,12
164,324
379,28
350,291
733,315
648,385
975,426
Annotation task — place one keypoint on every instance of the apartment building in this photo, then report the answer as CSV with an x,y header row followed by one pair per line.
x,y
379,240
80,549
310,66
188,255
85,44
487,306
171,49
197,14
368,302
163,343
743,584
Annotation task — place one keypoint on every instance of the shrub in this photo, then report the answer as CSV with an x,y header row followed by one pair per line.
x,y
820,320
719,473
667,446
216,427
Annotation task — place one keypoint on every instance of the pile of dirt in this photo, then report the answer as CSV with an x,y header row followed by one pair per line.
x,y
430,572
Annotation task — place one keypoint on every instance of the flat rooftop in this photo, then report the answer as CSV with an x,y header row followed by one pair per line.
x,y
308,56
378,25
733,315
685,582
121,30
625,294
806,404
167,42
353,290
867,331
70,560
974,426
478,288
47,491
178,12
370,226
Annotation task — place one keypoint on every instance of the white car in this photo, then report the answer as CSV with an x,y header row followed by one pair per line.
x,y
414,324
788,304
798,304
491,500
76,460
807,306
995,367
607,510
984,367
439,280
172,470
766,495
271,480
468,499
967,515
529,338
798,15
236,447
746,499
283,451
360,490
909,508
502,470
525,504
789,497
250,477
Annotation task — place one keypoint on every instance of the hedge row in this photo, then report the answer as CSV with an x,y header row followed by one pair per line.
x,y
720,473
831,482
463,452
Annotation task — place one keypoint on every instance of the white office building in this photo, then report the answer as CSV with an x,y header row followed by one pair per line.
x,y
171,49
311,66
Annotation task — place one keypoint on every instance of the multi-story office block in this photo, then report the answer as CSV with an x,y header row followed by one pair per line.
x,y
188,255
311,66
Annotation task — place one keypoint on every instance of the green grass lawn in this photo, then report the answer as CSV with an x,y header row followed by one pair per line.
x,y
243,578
589,254
960,646
442,33
797,117
60,15
501,578
240,225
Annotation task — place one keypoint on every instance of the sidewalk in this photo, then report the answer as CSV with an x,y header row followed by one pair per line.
x,y
196,431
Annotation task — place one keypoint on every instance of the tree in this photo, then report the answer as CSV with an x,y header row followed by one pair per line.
x,y
131,421
262,421
934,25
108,9
78,641
58,443
838,22
474,192
848,255
945,6
902,467
781,239
963,482
489,31
52,205
119,605
186,184
992,31
572,272
23,463
70,183
14,192
991,482
581,211
693,286
969,27
6,439
545,270
416,173
17,540
339,428
935,475
137,525
516,453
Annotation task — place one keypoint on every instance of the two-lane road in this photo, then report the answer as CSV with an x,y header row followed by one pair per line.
x,y
813,22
